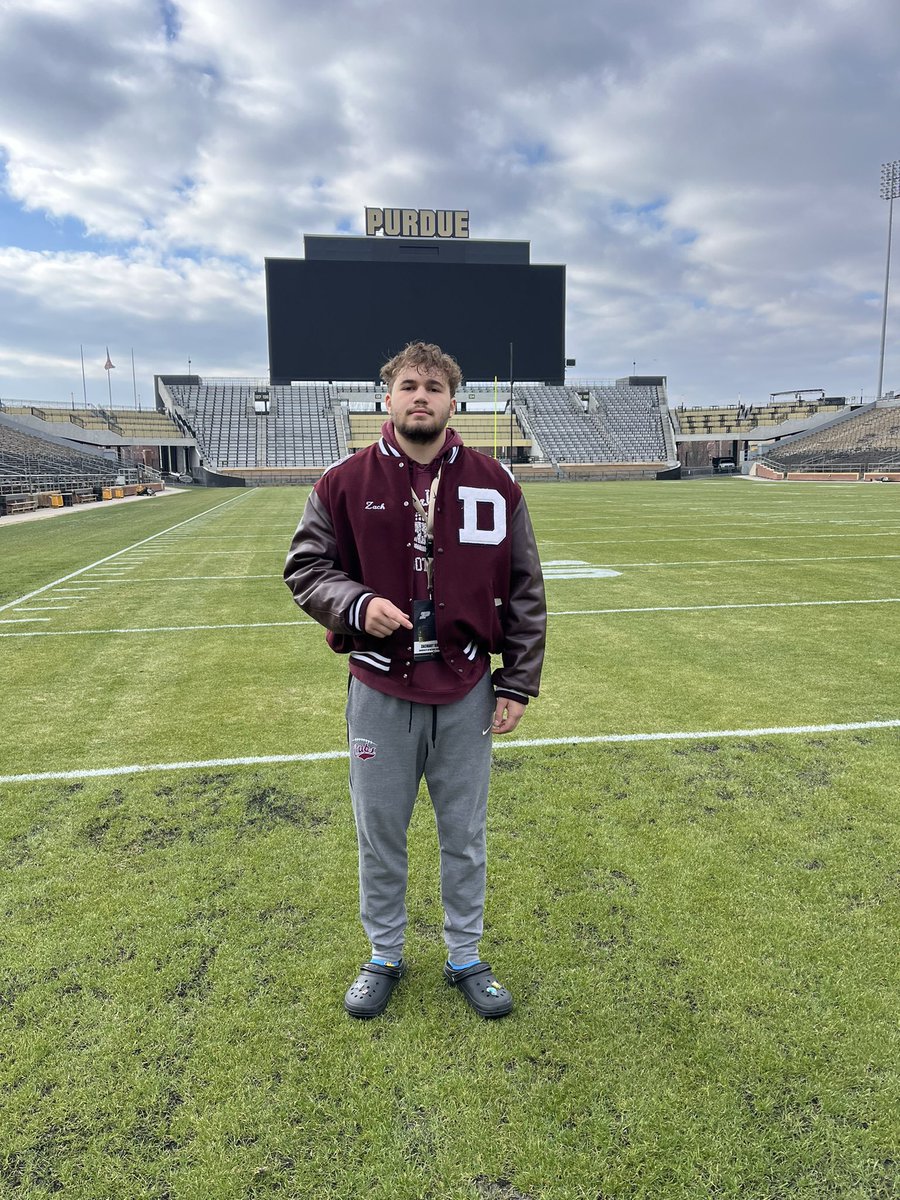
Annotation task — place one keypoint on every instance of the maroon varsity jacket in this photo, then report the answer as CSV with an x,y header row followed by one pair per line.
x,y
353,542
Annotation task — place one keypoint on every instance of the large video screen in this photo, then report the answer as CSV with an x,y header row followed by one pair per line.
x,y
342,320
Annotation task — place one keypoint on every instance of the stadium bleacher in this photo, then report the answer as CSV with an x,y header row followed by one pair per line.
x,y
297,430
30,465
314,425
743,420
867,440
148,424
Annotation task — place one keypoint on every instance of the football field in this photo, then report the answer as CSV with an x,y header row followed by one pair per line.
x,y
694,885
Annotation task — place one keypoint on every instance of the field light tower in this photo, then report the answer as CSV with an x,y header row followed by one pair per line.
x,y
890,191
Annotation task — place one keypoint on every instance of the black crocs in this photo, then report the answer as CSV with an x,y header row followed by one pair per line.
x,y
370,991
477,983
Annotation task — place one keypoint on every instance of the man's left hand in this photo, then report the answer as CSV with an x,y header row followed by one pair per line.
x,y
507,714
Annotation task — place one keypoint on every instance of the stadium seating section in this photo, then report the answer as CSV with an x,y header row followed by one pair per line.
x,y
298,430
742,420
610,423
253,433
314,425
31,464
866,441
150,425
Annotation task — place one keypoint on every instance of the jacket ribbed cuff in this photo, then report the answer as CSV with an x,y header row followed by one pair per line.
x,y
355,616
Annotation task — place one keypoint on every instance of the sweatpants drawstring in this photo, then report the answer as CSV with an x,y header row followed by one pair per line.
x,y
433,724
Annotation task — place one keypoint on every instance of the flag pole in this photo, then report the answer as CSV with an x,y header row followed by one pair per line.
x,y
83,380
133,378
510,406
108,366
495,417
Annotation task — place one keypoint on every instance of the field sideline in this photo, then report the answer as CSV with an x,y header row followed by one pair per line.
x,y
694,882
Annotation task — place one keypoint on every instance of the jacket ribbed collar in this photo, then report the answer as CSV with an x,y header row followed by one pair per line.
x,y
452,441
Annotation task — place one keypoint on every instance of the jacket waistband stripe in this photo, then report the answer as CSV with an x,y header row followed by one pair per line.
x,y
385,665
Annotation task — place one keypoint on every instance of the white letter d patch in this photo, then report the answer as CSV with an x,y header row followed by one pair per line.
x,y
491,532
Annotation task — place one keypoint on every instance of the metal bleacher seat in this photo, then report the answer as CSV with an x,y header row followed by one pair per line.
x,y
620,423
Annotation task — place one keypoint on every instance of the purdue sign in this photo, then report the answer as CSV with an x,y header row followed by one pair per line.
x,y
417,222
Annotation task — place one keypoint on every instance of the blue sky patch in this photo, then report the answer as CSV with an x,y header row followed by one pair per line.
x,y
650,214
171,19
38,231
533,153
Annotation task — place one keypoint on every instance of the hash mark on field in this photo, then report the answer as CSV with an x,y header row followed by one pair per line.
x,y
43,608
118,553
328,755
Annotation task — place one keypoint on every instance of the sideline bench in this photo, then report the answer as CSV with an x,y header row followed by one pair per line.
x,y
18,504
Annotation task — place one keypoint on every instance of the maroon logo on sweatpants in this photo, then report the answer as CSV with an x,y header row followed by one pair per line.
x,y
363,748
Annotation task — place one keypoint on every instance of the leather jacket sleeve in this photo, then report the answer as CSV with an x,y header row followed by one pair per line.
x,y
525,624
313,573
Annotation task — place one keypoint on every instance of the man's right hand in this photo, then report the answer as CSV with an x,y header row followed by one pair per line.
x,y
382,618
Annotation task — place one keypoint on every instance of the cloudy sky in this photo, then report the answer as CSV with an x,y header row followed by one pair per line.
x,y
708,171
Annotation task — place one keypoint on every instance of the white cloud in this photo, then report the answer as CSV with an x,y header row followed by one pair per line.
x,y
708,172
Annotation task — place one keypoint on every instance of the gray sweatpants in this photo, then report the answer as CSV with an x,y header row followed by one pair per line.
x,y
393,743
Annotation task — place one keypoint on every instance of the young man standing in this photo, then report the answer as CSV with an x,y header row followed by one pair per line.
x,y
418,556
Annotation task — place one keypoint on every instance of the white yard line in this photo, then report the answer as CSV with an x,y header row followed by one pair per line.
x,y
21,620
218,553
149,628
759,562
572,612
230,537
749,537
325,755
190,578
118,553
589,612
709,522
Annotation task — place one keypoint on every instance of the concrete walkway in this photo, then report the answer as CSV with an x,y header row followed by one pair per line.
x,y
43,514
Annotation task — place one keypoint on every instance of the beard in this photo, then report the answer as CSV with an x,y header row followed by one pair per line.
x,y
420,431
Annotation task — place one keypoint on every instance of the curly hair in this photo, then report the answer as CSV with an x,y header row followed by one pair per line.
x,y
428,359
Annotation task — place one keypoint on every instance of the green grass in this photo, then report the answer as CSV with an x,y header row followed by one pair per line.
x,y
700,935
